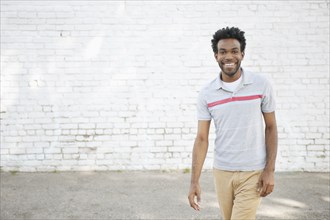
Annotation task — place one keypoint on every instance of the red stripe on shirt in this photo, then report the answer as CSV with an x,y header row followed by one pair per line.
x,y
234,99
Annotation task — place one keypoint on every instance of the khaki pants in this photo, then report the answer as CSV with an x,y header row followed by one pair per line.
x,y
237,193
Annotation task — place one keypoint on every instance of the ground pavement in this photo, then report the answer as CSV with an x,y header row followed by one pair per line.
x,y
149,195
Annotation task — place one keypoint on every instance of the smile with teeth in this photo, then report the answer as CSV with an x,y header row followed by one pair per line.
x,y
229,64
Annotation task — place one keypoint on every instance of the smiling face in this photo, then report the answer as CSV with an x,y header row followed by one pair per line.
x,y
229,57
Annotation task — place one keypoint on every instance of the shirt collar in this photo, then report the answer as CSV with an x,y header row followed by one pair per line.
x,y
247,79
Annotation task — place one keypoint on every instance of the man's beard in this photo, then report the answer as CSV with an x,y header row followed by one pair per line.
x,y
230,73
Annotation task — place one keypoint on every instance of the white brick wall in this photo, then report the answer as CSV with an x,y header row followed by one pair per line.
x,y
96,85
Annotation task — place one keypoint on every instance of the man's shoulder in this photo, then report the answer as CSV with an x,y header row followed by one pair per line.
x,y
209,85
257,77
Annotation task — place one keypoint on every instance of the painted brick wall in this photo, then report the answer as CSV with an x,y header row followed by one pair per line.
x,y
96,85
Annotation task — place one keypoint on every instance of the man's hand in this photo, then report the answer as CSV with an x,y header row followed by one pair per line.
x,y
266,183
195,191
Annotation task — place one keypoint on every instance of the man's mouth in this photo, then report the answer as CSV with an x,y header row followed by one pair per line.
x,y
229,64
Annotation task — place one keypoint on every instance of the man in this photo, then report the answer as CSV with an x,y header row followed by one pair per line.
x,y
239,102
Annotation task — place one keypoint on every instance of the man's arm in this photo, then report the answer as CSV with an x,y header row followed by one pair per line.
x,y
199,153
266,181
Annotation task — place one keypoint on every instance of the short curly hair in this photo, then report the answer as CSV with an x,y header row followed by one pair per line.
x,y
226,33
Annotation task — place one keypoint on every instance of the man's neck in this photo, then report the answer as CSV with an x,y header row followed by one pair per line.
x,y
229,79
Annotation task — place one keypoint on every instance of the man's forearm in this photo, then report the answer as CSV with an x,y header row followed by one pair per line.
x,y
271,147
199,154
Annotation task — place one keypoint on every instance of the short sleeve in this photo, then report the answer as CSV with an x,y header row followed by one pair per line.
x,y
203,112
268,99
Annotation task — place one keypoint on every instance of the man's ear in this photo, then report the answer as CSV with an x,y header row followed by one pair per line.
x,y
216,56
243,54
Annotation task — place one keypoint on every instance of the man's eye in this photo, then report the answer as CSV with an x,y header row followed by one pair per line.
x,y
235,52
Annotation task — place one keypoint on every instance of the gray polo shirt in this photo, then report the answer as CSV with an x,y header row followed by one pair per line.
x,y
240,136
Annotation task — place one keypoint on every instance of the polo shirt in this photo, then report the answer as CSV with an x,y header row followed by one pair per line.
x,y
240,135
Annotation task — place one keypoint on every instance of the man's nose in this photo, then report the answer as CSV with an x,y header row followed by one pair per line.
x,y
228,56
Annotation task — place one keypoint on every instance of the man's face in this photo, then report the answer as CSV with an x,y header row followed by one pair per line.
x,y
229,56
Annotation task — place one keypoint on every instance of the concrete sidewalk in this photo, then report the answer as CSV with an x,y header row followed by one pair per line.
x,y
148,195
